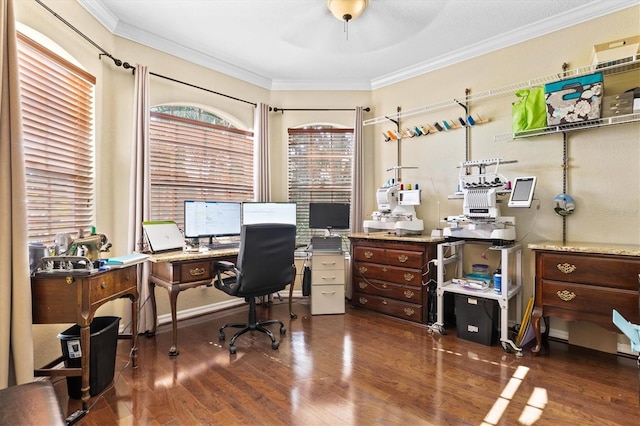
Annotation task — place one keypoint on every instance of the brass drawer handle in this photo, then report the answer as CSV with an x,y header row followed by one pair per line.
x,y
195,272
566,268
384,302
566,295
403,258
362,269
384,285
408,276
103,285
363,300
409,312
362,285
368,254
408,294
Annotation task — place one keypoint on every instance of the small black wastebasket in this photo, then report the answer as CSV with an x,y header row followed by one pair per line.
x,y
104,341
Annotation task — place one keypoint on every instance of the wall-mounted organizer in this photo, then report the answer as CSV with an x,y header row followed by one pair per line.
x,y
436,127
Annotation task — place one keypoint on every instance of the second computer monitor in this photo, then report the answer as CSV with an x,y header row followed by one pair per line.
x,y
212,219
255,212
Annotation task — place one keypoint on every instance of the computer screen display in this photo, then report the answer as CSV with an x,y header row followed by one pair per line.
x,y
256,212
212,218
329,215
522,192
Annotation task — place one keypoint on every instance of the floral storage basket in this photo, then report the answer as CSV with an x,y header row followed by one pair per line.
x,y
574,100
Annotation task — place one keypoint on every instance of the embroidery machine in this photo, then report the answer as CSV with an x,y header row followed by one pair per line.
x,y
481,218
396,212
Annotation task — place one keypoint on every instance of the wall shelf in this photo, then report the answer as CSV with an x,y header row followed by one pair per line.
x,y
608,68
572,127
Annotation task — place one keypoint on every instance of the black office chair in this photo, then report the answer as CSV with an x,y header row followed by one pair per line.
x,y
265,266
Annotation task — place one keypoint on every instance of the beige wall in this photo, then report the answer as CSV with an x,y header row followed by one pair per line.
x,y
603,177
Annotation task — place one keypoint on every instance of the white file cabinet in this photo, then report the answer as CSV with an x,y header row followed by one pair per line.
x,y
327,283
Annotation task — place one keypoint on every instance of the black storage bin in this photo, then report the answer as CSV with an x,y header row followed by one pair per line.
x,y
104,341
477,319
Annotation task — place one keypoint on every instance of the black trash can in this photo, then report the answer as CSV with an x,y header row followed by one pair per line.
x,y
104,341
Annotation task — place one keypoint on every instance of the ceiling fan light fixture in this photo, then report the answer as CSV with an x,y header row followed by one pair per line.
x,y
346,10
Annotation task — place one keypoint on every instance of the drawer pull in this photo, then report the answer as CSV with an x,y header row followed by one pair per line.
x,y
408,294
363,300
362,269
195,272
566,268
368,254
328,292
332,278
566,295
362,285
69,280
409,312
408,276
403,258
103,285
384,285
384,302
328,263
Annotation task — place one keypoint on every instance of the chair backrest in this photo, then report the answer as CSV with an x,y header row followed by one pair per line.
x,y
266,258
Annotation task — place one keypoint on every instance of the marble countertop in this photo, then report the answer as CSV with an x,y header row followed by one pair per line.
x,y
595,248
182,255
393,237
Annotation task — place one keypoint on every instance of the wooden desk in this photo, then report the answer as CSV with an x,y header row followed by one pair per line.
x,y
179,270
585,282
59,298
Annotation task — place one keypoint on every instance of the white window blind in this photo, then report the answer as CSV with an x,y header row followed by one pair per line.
x,y
194,160
320,170
57,114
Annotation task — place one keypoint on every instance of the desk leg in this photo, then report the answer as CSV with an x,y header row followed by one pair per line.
x,y
291,313
134,331
154,307
174,290
85,344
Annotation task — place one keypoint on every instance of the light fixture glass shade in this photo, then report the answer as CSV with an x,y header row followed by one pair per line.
x,y
346,10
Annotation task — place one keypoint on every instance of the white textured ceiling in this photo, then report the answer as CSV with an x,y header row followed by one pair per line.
x,y
300,45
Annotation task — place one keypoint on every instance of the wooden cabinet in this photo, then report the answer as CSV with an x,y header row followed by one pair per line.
x,y
585,286
327,283
390,274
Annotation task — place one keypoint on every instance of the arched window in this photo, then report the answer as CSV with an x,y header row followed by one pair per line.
x,y
196,155
320,169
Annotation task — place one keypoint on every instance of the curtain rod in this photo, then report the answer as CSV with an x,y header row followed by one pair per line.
x,y
202,88
276,109
127,65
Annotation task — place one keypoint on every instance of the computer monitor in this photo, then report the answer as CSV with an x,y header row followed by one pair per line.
x,y
522,192
329,216
212,219
255,212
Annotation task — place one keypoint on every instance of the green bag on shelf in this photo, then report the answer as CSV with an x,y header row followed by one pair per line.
x,y
530,111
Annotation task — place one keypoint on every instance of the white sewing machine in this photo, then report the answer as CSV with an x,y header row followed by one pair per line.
x,y
396,212
481,218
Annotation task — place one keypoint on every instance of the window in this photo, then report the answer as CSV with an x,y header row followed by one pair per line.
x,y
58,114
196,155
320,168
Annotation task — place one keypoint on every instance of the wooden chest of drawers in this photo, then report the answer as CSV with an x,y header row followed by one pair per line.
x,y
391,276
585,286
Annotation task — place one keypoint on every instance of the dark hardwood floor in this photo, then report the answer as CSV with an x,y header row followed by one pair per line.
x,y
360,368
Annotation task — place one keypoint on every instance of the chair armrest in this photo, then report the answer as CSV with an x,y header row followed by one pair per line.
x,y
225,265
226,277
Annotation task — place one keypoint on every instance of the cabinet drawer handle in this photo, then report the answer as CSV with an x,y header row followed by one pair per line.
x,y
362,285
363,300
362,269
103,285
566,295
384,285
403,258
384,302
408,312
195,272
328,263
408,276
408,294
329,278
566,268
328,292
368,254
